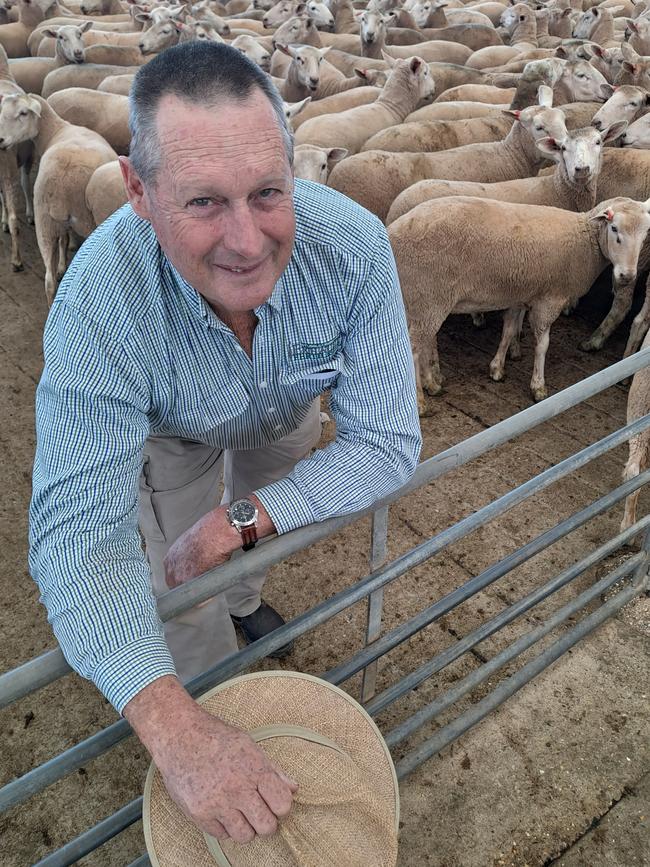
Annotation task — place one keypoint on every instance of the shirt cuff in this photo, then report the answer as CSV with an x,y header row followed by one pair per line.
x,y
287,506
123,675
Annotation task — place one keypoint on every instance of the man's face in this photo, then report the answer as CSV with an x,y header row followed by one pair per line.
x,y
221,204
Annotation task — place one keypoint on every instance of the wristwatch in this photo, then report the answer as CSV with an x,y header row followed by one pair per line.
x,y
243,515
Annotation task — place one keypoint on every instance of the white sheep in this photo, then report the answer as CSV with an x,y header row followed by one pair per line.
x,y
467,255
105,191
409,83
30,72
638,405
572,186
105,113
315,163
376,178
68,156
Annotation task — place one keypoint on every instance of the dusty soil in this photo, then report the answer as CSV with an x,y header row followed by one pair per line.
x,y
533,783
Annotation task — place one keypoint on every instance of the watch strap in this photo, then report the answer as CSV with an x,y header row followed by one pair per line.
x,y
249,537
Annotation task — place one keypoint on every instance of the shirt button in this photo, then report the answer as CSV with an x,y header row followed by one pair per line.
x,y
263,384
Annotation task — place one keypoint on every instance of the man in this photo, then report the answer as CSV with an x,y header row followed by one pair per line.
x,y
208,316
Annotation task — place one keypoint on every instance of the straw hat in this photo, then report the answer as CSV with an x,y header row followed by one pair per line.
x,y
346,811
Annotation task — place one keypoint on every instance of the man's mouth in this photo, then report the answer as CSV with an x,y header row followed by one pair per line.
x,y
239,269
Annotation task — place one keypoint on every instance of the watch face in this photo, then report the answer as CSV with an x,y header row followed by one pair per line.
x,y
242,512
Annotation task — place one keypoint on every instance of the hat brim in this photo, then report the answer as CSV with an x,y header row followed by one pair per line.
x,y
254,701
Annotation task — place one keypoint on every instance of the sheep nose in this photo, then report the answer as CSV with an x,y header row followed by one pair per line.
x,y
598,124
625,276
141,46
265,22
581,171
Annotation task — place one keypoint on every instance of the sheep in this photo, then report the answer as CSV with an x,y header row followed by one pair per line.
x,y
597,25
572,81
314,163
520,24
634,68
10,161
492,56
105,113
447,255
336,103
572,186
303,76
478,93
433,136
638,133
253,50
376,178
474,36
638,405
639,38
626,103
30,72
68,156
451,111
85,75
344,19
105,192
119,84
436,14
14,36
409,83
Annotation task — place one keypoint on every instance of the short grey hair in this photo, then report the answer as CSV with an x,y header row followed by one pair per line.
x,y
205,73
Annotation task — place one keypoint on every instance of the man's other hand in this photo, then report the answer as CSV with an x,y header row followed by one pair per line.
x,y
207,544
218,776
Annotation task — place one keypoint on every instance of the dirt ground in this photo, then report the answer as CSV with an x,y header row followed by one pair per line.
x,y
558,776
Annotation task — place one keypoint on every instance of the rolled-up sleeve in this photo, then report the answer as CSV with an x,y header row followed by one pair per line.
x,y
374,404
85,551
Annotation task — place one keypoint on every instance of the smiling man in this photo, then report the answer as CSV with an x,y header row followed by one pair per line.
x,y
189,341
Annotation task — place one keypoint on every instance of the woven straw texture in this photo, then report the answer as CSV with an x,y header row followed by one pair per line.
x,y
346,812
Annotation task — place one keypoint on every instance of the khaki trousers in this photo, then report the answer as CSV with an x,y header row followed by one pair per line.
x,y
179,484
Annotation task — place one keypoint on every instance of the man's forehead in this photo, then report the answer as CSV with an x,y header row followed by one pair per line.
x,y
214,116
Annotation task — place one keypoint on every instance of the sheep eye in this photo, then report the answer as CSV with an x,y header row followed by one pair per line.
x,y
615,230
539,128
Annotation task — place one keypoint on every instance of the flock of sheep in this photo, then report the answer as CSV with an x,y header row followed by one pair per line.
x,y
482,134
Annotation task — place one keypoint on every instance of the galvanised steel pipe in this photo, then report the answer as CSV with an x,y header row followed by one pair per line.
x,y
94,837
512,651
437,663
46,668
444,605
513,684
39,778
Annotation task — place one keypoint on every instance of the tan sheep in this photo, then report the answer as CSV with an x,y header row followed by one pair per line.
x,y
376,178
68,156
478,93
638,405
105,192
313,163
447,254
30,72
451,111
409,83
105,113
572,186
337,103
431,136
14,36
85,75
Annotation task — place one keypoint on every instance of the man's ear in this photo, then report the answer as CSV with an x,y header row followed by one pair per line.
x,y
135,191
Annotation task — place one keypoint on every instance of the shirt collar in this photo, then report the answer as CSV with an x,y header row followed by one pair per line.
x,y
200,307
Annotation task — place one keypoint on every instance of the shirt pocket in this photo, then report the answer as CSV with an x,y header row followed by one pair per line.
x,y
313,375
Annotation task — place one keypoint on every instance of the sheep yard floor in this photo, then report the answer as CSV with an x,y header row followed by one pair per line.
x,y
559,775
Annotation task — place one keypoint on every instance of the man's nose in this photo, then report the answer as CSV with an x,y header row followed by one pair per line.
x,y
242,234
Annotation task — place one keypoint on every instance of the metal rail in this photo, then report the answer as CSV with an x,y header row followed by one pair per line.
x,y
48,667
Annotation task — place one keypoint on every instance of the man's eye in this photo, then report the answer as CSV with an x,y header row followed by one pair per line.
x,y
201,202
268,193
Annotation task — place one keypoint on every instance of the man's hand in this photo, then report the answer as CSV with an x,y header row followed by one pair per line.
x,y
208,544
216,774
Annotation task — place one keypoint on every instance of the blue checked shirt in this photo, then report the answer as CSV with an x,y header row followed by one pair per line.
x,y
131,349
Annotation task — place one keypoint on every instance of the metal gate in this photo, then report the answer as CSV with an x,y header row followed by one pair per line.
x,y
633,571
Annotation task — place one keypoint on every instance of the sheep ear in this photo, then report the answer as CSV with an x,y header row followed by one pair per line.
x,y
34,105
607,90
631,25
285,49
561,52
324,51
512,112
615,9
391,61
629,53
300,9
614,130
142,16
545,96
335,155
598,50
607,214
51,32
630,67
361,73
415,64
549,146
297,107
